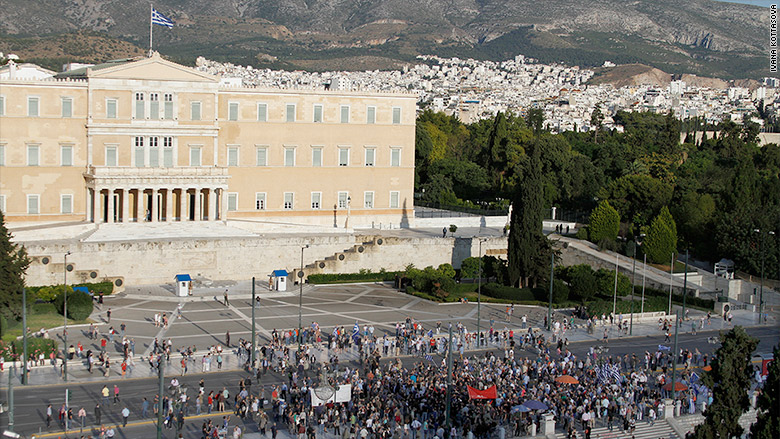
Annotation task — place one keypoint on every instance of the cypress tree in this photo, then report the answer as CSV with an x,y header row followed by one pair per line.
x,y
526,239
13,265
604,222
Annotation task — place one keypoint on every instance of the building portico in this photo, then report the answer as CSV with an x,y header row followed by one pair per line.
x,y
156,194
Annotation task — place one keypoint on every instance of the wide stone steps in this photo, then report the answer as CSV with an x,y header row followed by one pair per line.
x,y
660,430
330,263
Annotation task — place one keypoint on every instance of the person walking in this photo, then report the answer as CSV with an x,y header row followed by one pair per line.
x,y
116,394
105,393
125,415
444,232
98,414
227,303
145,408
82,417
227,339
49,413
108,316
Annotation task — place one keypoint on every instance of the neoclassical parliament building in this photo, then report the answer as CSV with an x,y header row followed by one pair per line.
x,y
148,140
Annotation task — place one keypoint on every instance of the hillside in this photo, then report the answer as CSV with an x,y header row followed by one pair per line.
x,y
700,37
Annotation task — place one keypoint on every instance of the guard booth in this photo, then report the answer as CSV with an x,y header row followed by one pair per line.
x,y
183,286
279,280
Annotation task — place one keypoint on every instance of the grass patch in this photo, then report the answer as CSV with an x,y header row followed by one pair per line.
x,y
469,292
41,315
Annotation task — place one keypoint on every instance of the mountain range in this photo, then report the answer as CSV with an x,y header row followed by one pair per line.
x,y
701,37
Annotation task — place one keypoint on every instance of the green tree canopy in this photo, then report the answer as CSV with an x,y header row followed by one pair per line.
x,y
729,380
767,424
604,222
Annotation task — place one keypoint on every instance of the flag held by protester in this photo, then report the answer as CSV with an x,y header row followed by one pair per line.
x,y
489,393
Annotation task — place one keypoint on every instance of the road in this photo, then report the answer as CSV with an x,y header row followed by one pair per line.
x,y
30,402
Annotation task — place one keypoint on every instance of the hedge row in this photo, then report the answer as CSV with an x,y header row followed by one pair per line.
x,y
515,294
678,298
367,276
14,350
106,288
652,304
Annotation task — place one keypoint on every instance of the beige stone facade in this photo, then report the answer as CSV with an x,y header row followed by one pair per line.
x,y
151,140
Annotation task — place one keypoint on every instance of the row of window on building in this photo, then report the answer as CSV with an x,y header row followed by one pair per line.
x,y
147,153
153,110
343,201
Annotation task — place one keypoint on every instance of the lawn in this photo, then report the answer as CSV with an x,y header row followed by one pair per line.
x,y
41,315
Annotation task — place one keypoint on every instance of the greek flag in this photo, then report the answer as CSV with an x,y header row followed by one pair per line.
x,y
694,377
355,331
160,19
429,358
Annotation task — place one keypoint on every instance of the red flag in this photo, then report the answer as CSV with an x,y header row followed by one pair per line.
x,y
489,393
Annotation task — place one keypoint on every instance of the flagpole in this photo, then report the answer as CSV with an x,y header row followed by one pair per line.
x,y
151,8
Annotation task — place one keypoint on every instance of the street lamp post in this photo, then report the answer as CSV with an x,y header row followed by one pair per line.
x,y
254,336
761,318
549,304
644,274
633,277
614,295
300,294
685,285
24,335
65,318
479,293
671,282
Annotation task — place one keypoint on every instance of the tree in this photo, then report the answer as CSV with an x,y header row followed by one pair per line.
x,y
526,239
596,118
661,240
729,380
767,424
604,222
13,265
583,282
469,268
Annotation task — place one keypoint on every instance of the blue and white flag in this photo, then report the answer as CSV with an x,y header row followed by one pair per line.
x,y
160,19
694,377
429,358
663,348
356,331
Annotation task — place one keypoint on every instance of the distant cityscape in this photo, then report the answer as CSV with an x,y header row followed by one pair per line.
x,y
472,90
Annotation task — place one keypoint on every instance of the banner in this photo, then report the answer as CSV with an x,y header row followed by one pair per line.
x,y
489,393
343,394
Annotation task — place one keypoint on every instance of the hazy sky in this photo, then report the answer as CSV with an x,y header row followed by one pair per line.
x,y
764,3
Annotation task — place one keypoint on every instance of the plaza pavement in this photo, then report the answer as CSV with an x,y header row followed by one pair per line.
x,y
205,320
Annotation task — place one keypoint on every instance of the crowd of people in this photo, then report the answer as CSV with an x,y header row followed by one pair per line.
x,y
390,399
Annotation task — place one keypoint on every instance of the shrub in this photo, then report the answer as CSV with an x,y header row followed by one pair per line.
x,y
79,305
35,345
50,292
446,270
516,294
14,350
605,279
363,276
453,228
560,291
582,233
604,222
582,282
